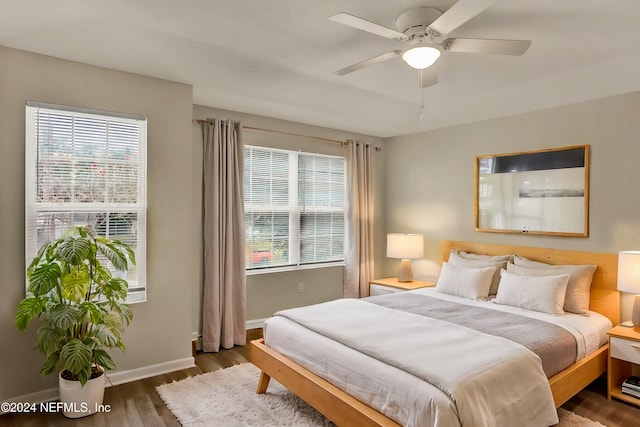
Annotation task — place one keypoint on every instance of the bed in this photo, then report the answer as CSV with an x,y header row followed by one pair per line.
x,y
344,409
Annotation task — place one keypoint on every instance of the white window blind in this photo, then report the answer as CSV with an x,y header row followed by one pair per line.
x,y
86,167
294,208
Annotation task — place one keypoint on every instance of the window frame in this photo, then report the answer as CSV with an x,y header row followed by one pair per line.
x,y
138,287
295,211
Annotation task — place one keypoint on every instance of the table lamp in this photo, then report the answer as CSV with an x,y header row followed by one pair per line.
x,y
629,281
405,247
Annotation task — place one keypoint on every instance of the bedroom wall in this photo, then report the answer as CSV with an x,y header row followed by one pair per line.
x,y
429,182
161,328
270,292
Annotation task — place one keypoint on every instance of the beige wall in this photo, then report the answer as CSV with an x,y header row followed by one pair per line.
x,y
269,292
429,183
423,183
161,328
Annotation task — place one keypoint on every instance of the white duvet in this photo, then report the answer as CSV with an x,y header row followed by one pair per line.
x,y
491,381
447,374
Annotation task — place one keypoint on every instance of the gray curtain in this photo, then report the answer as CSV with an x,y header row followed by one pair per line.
x,y
224,299
359,220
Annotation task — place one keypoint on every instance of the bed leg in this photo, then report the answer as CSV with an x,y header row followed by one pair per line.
x,y
263,383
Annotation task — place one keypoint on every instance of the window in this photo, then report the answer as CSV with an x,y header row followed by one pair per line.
x,y
294,208
86,167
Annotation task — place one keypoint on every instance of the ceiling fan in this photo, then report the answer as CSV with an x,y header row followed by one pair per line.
x,y
424,29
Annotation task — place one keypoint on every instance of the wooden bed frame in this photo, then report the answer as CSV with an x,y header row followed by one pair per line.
x,y
343,409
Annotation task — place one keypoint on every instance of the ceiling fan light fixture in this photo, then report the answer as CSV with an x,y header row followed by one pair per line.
x,y
421,56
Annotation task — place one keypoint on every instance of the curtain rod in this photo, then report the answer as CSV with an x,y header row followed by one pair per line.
x,y
282,133
336,141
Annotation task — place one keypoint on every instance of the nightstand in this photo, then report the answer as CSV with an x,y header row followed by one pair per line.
x,y
624,353
391,285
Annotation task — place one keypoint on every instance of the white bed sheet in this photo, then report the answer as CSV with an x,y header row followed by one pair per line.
x,y
394,392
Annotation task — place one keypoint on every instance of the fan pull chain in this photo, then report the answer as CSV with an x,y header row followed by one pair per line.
x,y
421,96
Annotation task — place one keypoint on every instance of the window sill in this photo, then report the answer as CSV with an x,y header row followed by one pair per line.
x,y
256,272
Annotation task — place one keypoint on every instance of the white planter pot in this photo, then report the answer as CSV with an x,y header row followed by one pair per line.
x,y
78,401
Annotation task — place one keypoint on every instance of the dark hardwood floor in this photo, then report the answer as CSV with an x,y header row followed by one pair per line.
x,y
138,404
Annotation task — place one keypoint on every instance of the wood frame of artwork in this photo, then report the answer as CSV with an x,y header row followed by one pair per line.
x,y
535,192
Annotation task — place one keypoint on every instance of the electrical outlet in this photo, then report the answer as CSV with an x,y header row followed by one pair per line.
x,y
300,287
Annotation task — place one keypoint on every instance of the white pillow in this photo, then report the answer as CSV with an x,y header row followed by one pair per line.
x,y
578,289
464,281
538,293
526,262
456,259
482,257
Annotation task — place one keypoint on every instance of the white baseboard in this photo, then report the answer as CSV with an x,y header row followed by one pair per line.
x,y
249,324
121,377
113,378
195,336
37,397
255,323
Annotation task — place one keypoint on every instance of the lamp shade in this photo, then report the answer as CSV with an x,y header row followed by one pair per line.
x,y
405,246
629,271
421,56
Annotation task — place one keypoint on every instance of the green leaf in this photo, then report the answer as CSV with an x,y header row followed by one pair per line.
x,y
76,358
113,321
122,309
115,289
84,375
36,260
125,312
130,252
117,258
50,364
105,336
43,278
29,309
89,312
104,360
49,341
87,231
63,316
75,284
75,250
102,274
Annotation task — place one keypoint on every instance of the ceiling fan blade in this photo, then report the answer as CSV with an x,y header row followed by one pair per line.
x,y
458,14
375,59
501,47
364,25
428,77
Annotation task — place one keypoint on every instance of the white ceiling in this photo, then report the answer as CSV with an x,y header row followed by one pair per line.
x,y
275,58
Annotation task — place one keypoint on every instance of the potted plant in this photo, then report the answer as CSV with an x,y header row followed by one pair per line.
x,y
83,311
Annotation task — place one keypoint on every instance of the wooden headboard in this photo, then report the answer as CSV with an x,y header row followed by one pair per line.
x,y
605,298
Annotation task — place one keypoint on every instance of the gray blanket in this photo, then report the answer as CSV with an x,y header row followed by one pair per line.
x,y
556,347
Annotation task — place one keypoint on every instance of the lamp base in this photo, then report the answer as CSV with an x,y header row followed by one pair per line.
x,y
635,314
405,273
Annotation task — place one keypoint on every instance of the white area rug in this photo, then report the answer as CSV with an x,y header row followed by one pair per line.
x,y
228,398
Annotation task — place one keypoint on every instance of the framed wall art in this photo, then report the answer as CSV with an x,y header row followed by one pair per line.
x,y
535,192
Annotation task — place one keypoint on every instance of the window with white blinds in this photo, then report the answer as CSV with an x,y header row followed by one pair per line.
x,y
294,208
87,167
